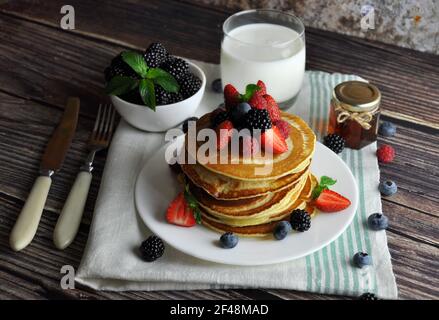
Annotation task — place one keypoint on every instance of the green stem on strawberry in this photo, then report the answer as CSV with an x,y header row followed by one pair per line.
x,y
324,184
193,203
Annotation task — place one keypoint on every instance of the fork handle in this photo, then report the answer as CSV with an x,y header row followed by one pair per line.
x,y
71,214
27,223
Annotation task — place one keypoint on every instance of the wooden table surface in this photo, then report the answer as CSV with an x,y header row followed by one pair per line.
x,y
41,64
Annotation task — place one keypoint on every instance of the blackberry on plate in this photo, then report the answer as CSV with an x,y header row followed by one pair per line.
x,y
152,248
219,118
177,67
368,296
258,119
155,55
118,67
334,142
189,85
300,220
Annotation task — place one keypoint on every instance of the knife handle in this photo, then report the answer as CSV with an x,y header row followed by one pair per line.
x,y
27,223
70,218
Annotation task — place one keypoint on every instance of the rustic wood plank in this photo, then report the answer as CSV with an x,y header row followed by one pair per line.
x,y
390,67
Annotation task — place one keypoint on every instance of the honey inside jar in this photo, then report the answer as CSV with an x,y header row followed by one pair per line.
x,y
354,113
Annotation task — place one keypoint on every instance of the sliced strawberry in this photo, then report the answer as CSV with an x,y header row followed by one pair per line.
x,y
263,88
231,96
257,102
273,139
273,108
331,201
224,134
180,213
284,128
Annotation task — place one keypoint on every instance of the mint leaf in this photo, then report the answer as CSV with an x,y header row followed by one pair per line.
x,y
163,79
146,90
327,181
323,185
120,84
250,89
136,62
192,203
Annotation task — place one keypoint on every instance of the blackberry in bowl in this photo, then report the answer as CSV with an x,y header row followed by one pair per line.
x,y
154,91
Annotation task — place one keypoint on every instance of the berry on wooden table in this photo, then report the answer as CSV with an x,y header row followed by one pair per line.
x,y
385,153
387,129
388,188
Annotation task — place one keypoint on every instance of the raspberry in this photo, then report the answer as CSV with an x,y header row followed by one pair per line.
x,y
284,128
385,153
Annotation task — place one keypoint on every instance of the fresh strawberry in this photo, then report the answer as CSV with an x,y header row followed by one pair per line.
x,y
231,96
273,139
263,89
250,146
284,128
180,213
258,102
224,134
331,201
273,108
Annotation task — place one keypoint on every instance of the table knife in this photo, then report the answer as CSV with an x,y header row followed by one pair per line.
x,y
27,223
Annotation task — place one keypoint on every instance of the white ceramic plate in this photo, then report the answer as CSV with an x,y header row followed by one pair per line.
x,y
157,186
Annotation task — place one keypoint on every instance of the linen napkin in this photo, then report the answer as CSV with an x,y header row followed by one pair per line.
x,y
111,261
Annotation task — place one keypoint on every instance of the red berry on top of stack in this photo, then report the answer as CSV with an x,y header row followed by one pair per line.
x,y
254,110
155,57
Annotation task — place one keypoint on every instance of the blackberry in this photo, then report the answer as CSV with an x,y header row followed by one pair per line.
x,y
118,67
163,97
177,67
334,142
257,119
155,55
368,296
189,85
133,96
300,220
152,248
218,118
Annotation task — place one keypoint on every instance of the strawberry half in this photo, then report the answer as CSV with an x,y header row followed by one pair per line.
x,y
258,102
263,88
331,201
180,213
224,134
231,96
273,108
273,139
284,128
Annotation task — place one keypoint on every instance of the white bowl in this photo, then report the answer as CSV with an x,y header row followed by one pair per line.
x,y
166,116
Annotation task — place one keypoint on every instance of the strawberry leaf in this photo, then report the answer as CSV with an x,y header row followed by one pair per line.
x,y
327,181
146,90
136,62
250,89
192,203
324,184
120,84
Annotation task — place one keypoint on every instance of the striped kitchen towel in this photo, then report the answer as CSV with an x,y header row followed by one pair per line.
x,y
110,263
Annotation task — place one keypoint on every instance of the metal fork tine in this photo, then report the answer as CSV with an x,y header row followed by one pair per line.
x,y
111,128
107,122
98,117
102,123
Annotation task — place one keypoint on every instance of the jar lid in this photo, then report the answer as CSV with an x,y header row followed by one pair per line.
x,y
357,96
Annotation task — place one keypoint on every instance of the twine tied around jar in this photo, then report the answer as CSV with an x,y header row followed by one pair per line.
x,y
363,118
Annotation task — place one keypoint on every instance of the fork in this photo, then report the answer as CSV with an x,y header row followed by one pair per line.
x,y
70,218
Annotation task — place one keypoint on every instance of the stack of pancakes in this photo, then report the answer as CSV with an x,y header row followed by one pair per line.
x,y
235,197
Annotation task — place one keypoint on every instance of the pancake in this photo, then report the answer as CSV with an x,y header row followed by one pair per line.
x,y
301,143
223,187
303,201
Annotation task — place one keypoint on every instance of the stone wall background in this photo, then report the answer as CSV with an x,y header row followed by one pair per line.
x,y
407,23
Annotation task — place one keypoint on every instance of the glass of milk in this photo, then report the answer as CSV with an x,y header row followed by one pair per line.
x,y
267,45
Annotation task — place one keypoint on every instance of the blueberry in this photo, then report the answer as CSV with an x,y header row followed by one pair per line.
x,y
281,230
378,221
388,187
217,86
186,123
362,259
387,129
238,113
228,240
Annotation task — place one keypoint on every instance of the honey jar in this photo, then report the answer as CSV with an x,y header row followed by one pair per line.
x,y
355,112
